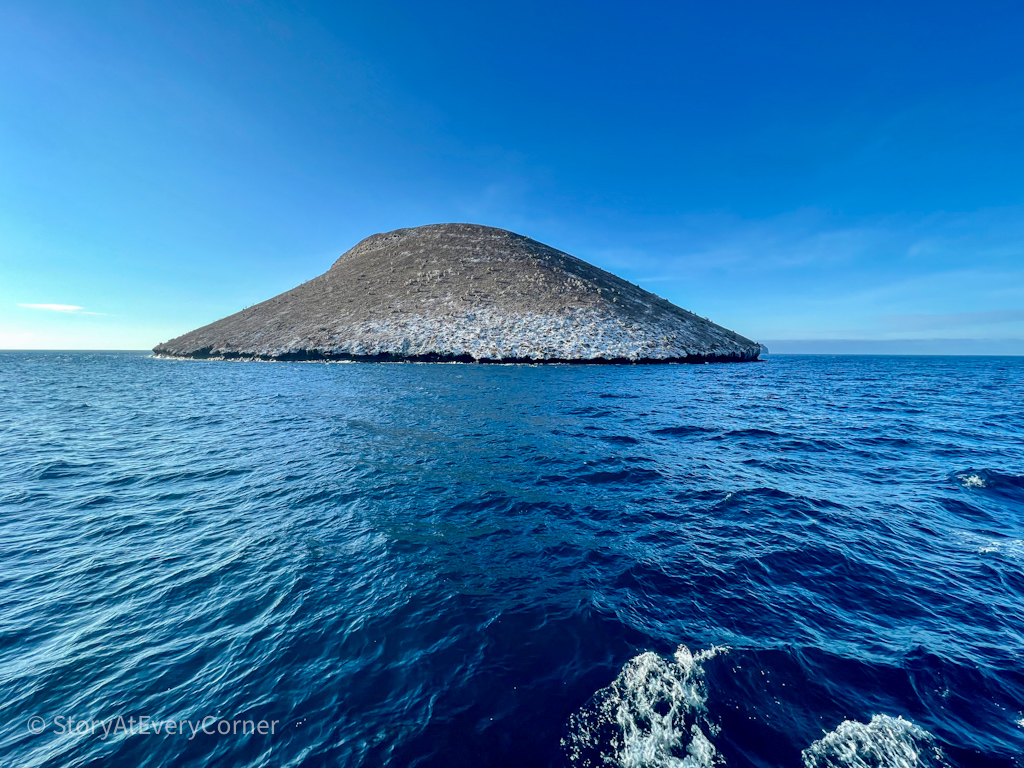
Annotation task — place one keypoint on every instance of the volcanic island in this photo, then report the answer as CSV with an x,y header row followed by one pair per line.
x,y
464,293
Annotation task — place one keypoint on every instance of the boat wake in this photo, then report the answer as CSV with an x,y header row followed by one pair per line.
x,y
653,715
884,742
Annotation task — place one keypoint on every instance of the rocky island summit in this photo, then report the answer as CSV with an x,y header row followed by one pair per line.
x,y
464,293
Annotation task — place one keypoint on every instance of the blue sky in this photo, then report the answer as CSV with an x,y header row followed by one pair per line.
x,y
799,172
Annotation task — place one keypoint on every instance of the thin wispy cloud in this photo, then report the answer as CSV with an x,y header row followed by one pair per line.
x,y
53,307
68,309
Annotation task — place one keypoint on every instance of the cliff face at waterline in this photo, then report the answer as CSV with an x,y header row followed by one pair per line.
x,y
462,292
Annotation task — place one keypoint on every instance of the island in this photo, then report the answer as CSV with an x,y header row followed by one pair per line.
x,y
464,293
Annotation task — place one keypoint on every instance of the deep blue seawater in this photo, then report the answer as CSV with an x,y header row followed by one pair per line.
x,y
808,561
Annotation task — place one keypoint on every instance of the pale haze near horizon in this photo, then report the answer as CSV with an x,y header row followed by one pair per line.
x,y
841,179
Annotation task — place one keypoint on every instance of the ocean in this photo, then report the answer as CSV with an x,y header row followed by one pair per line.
x,y
810,561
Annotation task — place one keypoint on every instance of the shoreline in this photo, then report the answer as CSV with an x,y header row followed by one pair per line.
x,y
307,356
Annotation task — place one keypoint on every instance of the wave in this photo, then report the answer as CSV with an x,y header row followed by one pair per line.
x,y
683,431
752,432
992,481
60,469
885,742
652,716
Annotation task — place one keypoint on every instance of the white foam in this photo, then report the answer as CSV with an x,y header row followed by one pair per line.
x,y
1011,548
651,716
972,481
885,742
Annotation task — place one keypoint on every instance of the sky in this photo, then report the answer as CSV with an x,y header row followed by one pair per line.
x,y
821,177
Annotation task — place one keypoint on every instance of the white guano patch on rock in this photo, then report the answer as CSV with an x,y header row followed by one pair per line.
x,y
488,334
491,335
